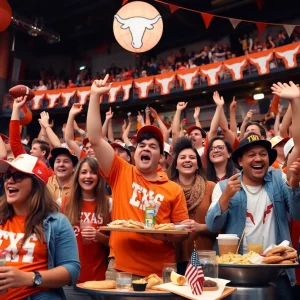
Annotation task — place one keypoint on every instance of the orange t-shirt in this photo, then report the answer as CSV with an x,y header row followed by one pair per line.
x,y
93,256
32,257
136,253
277,165
82,155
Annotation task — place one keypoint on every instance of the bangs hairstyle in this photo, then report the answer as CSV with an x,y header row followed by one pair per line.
x,y
182,144
148,136
230,166
40,204
74,205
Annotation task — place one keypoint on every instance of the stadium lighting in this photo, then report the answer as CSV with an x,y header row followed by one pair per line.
x,y
82,68
258,96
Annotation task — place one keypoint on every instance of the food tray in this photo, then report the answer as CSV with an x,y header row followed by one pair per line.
x,y
142,230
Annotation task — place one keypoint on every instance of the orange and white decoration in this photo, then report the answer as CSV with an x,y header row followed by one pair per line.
x,y
137,26
164,82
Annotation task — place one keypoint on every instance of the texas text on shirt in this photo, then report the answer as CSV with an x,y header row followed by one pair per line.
x,y
93,255
31,257
135,253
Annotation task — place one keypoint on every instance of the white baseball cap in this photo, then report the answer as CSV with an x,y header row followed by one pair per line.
x,y
27,164
167,148
289,145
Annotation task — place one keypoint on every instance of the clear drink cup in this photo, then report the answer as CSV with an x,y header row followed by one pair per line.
x,y
227,243
84,225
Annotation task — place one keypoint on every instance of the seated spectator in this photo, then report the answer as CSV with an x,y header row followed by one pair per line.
x,y
61,85
41,86
71,84
270,43
282,39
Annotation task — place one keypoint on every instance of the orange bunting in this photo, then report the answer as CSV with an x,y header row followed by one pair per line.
x,y
143,85
261,27
164,81
288,54
274,105
206,18
52,96
235,66
113,92
66,95
36,101
83,93
261,61
126,87
211,72
187,76
124,2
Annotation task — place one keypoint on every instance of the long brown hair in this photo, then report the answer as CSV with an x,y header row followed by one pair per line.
x,y
74,205
40,204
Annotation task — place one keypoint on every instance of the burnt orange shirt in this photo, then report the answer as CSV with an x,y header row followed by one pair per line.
x,y
136,253
92,256
33,256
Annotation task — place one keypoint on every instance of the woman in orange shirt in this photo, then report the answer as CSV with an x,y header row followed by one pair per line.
x,y
88,205
186,170
38,242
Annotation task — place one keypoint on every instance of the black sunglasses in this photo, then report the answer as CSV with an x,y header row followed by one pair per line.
x,y
16,176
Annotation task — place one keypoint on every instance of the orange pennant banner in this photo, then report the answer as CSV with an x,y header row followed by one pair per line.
x,y
236,66
164,81
211,72
288,54
187,76
261,61
143,85
207,18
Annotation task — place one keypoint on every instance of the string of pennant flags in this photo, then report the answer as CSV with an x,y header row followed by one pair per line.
x,y
207,17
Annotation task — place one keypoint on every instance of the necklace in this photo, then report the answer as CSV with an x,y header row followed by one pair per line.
x,y
253,193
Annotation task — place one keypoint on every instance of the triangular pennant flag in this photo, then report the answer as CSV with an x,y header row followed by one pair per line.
x,y
173,8
207,18
124,2
289,28
234,22
259,4
261,27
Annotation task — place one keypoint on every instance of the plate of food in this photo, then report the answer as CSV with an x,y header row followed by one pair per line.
x,y
139,227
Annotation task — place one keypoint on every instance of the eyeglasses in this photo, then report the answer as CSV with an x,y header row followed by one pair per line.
x,y
16,176
217,148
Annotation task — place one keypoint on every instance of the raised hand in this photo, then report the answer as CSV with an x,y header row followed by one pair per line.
x,y
124,126
75,109
154,113
100,87
233,104
109,114
295,174
181,106
147,111
44,120
280,107
233,185
249,115
197,112
19,102
218,100
287,91
140,118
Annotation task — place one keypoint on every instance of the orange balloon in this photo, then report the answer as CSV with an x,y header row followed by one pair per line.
x,y
26,116
5,15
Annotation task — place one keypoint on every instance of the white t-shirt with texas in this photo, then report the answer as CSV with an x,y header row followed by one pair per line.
x,y
260,218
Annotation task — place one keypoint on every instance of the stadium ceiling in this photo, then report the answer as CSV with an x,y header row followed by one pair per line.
x,y
83,25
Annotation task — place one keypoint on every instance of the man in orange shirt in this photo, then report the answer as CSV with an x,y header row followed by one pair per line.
x,y
132,188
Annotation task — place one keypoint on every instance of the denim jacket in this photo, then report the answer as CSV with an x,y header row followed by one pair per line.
x,y
285,200
62,251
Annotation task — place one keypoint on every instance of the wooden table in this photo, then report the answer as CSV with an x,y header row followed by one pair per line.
x,y
113,294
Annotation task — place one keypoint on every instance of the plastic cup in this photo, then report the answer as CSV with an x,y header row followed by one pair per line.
x,y
255,244
123,281
167,270
227,243
84,225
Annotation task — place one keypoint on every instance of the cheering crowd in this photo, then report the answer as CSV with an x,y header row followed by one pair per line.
x,y
57,195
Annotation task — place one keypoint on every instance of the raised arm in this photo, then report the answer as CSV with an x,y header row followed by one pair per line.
x,y
247,119
219,101
14,127
147,111
103,151
197,115
292,93
125,134
232,116
52,137
108,116
3,151
176,121
286,122
161,124
69,131
277,120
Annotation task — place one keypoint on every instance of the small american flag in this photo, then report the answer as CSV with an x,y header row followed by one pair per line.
x,y
194,274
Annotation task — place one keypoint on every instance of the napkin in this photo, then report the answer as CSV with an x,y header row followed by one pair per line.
x,y
285,243
185,289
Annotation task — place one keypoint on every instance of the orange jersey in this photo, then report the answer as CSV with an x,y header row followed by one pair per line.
x,y
277,165
82,155
92,256
33,256
133,252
